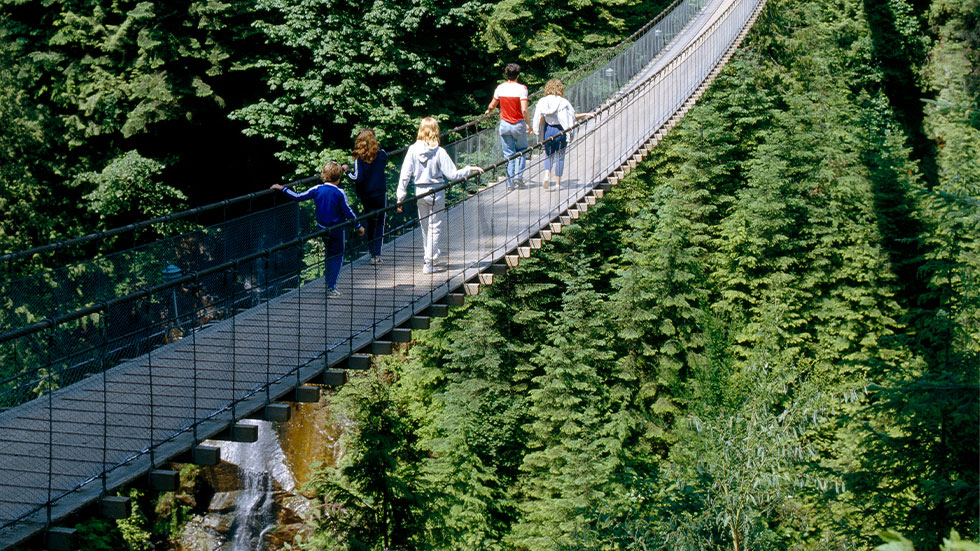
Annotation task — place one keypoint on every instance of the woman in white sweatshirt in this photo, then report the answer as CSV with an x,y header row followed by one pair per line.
x,y
553,115
430,167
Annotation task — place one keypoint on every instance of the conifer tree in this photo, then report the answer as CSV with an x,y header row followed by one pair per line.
x,y
581,420
921,471
470,496
371,500
549,35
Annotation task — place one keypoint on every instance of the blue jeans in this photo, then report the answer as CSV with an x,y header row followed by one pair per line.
x,y
555,149
513,138
334,256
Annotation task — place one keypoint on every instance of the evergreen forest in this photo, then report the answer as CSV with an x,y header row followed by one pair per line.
x,y
767,337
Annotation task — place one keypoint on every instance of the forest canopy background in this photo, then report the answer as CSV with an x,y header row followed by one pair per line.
x,y
119,111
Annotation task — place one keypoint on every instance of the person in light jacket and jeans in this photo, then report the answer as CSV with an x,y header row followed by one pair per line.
x,y
553,115
429,166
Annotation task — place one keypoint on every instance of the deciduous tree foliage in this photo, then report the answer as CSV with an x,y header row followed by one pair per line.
x,y
97,83
548,34
338,65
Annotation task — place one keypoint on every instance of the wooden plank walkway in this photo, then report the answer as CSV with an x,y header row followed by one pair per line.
x,y
70,446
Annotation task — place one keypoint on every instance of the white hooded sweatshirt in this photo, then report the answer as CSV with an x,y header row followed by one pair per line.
x,y
427,165
553,110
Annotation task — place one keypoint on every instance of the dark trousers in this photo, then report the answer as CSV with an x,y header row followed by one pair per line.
x,y
334,244
374,226
555,149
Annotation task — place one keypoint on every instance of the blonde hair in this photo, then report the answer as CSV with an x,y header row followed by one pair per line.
x,y
429,131
554,87
331,172
366,146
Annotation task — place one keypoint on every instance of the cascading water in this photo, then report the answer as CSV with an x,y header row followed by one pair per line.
x,y
260,465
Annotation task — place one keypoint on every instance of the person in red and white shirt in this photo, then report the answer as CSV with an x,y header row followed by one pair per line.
x,y
515,119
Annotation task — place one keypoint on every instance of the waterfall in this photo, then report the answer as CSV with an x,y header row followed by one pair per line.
x,y
260,464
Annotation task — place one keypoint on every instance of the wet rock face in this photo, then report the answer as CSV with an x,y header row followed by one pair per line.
x,y
199,536
287,534
312,435
293,509
215,530
223,502
223,477
256,502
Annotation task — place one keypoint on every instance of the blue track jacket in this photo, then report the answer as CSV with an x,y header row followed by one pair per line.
x,y
331,203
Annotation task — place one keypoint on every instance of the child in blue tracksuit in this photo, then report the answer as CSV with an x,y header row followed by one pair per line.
x,y
331,209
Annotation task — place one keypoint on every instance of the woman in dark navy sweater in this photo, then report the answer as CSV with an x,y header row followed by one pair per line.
x,y
331,209
369,185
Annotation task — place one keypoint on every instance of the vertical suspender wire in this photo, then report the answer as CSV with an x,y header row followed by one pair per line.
x,y
392,238
395,236
475,211
105,393
224,217
429,239
637,118
268,333
461,208
234,343
375,287
149,367
50,378
525,192
192,329
326,300
650,116
299,309
476,199
462,216
350,295
416,232
538,193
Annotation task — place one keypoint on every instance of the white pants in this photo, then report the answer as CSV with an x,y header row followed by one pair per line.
x,y
432,212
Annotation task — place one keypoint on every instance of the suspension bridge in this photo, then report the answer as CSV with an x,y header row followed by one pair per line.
x,y
169,344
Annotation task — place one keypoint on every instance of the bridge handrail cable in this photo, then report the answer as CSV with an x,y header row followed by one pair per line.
x,y
187,213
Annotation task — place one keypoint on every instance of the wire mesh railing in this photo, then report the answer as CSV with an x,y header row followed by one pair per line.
x,y
81,284
46,296
115,387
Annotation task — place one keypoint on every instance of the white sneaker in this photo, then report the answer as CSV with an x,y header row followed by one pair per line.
x,y
427,268
333,293
375,260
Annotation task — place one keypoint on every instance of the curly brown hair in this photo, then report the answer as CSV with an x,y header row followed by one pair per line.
x,y
554,87
366,146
